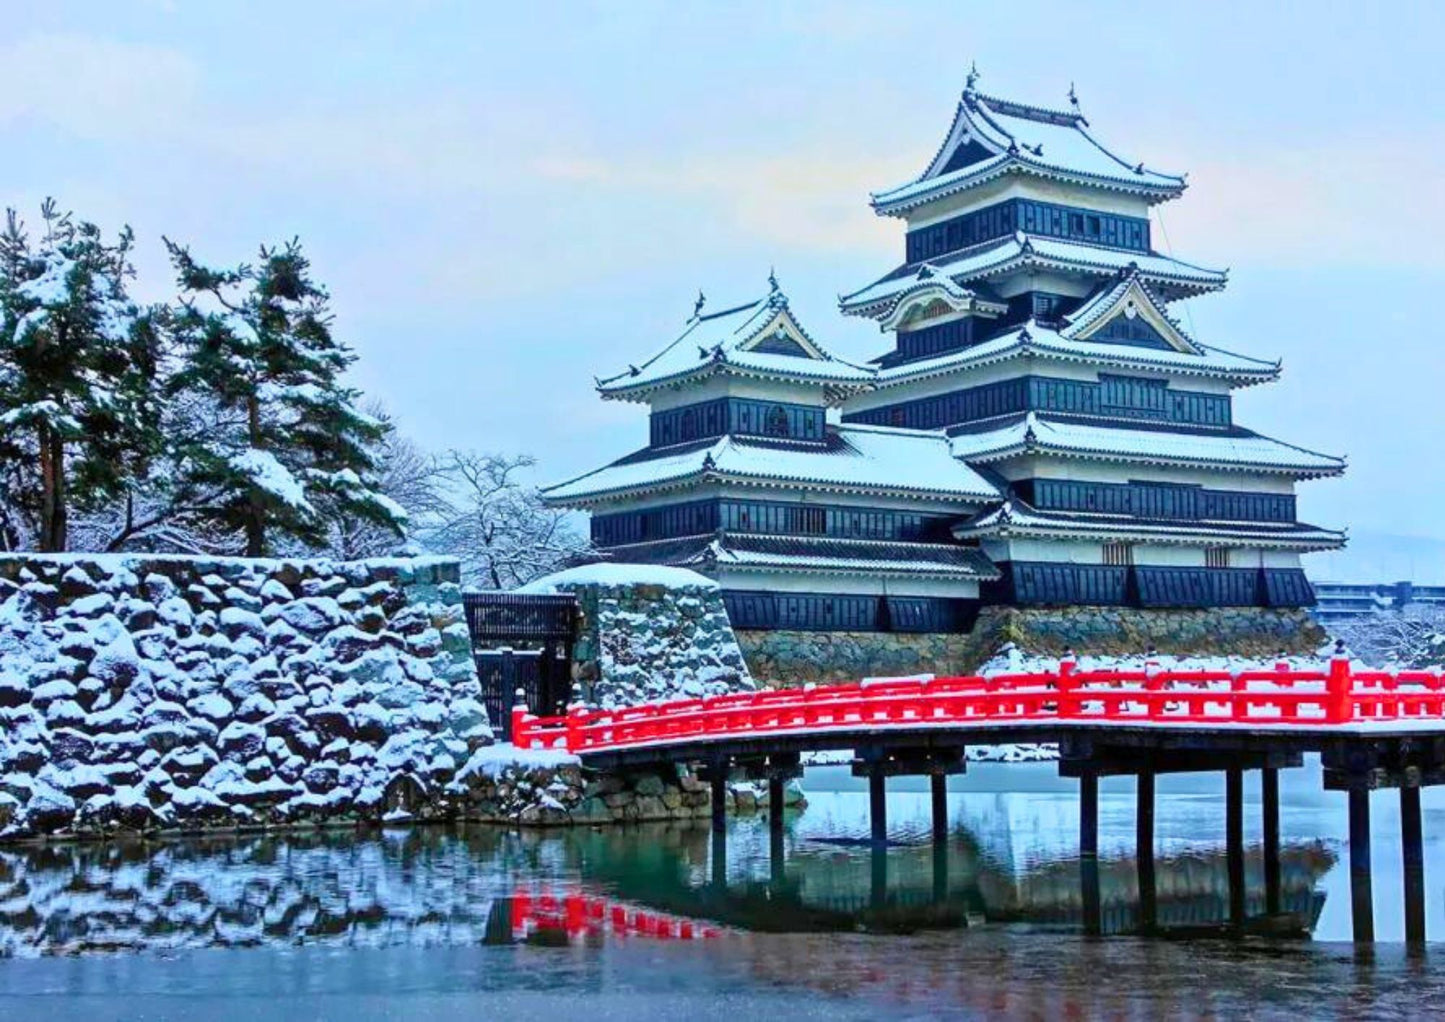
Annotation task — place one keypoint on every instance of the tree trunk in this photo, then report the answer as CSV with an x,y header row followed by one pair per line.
x,y
255,529
256,511
52,491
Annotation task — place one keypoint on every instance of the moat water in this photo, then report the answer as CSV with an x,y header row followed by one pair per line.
x,y
483,922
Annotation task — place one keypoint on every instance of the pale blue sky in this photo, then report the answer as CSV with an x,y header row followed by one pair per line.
x,y
507,199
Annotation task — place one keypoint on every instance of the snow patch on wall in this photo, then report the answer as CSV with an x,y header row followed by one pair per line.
x,y
651,633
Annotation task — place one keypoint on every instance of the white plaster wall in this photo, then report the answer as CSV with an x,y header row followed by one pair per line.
x,y
1089,470
732,386
792,496
1017,187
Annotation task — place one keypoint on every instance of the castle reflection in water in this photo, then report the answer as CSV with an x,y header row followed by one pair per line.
x,y
454,886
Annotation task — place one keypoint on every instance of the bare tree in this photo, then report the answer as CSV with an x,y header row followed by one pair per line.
x,y
1412,638
496,524
411,478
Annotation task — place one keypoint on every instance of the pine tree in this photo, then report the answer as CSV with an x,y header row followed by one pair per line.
x,y
290,450
77,375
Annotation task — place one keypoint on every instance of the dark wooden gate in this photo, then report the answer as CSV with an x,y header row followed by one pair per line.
x,y
522,642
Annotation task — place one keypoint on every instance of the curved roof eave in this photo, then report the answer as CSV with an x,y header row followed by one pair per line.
x,y
1014,450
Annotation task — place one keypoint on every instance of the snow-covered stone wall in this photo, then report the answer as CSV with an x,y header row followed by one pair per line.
x,y
142,693
794,658
650,633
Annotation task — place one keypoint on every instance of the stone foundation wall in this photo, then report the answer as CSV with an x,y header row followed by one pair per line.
x,y
564,794
787,658
781,658
1255,632
142,694
641,642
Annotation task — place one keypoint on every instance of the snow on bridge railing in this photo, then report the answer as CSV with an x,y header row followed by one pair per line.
x,y
1339,695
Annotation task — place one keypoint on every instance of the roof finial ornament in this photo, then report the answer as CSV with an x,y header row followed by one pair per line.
x,y
773,280
697,306
972,78
1073,97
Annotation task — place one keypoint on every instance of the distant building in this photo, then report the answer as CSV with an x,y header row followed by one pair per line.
x,y
1341,600
1042,430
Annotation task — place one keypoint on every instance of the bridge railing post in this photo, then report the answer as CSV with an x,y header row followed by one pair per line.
x,y
1068,685
521,721
1339,690
576,718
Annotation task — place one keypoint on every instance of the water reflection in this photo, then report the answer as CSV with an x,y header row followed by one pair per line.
x,y
456,886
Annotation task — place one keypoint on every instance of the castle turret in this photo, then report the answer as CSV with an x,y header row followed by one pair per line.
x,y
805,522
1031,322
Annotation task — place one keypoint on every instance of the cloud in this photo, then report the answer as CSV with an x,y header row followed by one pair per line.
x,y
97,88
1346,204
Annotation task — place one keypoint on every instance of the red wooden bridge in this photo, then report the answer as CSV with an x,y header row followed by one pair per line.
x,y
1373,729
1337,699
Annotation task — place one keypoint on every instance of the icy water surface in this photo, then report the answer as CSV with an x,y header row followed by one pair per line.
x,y
640,924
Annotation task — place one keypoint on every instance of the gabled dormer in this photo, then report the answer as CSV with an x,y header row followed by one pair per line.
x,y
1127,312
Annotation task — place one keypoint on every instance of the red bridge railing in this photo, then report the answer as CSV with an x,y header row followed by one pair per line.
x,y
1335,696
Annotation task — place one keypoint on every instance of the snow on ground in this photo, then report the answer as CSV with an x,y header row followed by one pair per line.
x,y
1010,660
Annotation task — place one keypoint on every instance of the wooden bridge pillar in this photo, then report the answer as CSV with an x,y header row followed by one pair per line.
x,y
1362,903
718,780
1412,845
1089,851
1269,792
775,828
878,808
1144,852
1234,842
938,788
878,886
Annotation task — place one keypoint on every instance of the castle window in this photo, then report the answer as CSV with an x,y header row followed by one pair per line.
x,y
777,424
1216,557
1118,554
808,521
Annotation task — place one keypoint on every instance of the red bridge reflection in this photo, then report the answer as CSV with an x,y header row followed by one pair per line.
x,y
579,915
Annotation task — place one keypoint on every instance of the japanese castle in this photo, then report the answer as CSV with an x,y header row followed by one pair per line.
x,y
1042,431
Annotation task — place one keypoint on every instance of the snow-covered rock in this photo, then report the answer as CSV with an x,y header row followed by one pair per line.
x,y
141,692
650,633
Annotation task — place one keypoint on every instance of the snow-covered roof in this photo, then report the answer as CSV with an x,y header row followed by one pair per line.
x,y
761,338
1129,295
1173,278
1031,340
1017,518
815,554
991,136
614,573
873,459
1234,448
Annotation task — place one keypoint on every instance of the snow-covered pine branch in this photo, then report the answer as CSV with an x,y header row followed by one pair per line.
x,y
78,364
297,453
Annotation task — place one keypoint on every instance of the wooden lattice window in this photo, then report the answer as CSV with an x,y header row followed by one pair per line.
x,y
777,422
1216,557
1118,554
